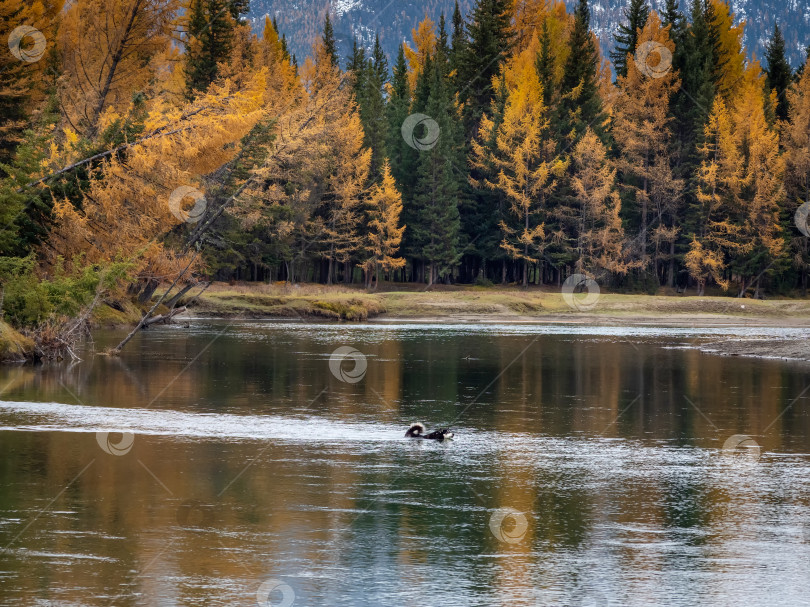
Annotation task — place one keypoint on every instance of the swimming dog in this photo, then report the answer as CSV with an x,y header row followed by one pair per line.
x,y
417,430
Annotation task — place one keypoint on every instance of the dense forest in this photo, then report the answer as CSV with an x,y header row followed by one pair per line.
x,y
145,142
302,21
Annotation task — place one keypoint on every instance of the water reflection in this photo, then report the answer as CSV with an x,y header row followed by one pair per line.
x,y
251,462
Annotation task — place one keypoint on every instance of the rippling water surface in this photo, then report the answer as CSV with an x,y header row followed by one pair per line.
x,y
227,464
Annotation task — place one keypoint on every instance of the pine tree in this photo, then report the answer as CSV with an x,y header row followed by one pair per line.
x,y
726,39
329,44
210,31
372,108
489,40
626,37
778,71
440,176
458,43
397,110
741,185
356,66
580,106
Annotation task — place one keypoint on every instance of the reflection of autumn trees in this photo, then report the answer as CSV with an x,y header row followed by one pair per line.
x,y
296,501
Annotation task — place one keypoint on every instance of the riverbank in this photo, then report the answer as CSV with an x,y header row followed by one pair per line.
x,y
490,304
14,347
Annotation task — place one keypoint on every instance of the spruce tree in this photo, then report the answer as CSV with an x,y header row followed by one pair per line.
x,y
458,42
441,175
778,71
545,64
356,65
580,105
329,41
372,108
210,33
489,40
627,35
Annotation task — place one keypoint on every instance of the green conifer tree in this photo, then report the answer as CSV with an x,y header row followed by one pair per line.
x,y
626,37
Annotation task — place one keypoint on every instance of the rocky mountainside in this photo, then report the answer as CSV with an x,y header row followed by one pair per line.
x,y
302,21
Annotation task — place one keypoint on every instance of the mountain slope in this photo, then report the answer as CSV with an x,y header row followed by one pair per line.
x,y
302,21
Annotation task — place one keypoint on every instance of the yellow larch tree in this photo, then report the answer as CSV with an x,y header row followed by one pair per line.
x,y
740,190
27,32
796,142
524,158
600,235
731,58
128,207
424,41
383,232
106,48
641,119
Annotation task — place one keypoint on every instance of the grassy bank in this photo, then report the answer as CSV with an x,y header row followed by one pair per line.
x,y
13,345
497,304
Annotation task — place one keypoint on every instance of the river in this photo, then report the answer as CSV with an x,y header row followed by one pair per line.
x,y
254,462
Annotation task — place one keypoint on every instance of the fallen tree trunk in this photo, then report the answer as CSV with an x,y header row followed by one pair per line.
x,y
164,317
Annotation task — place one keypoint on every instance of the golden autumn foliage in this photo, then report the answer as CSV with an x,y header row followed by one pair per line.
x,y
641,119
741,187
731,58
424,39
384,234
600,237
126,210
107,47
23,78
523,157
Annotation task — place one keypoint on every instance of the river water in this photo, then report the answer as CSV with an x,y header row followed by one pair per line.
x,y
246,462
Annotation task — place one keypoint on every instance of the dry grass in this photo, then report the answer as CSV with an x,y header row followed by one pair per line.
x,y
13,345
340,302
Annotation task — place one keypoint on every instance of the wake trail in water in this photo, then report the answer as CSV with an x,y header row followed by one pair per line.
x,y
60,417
